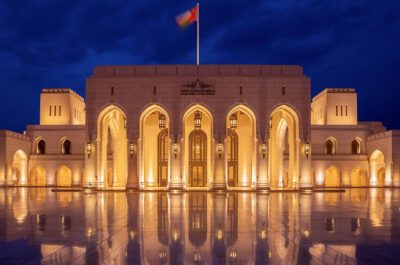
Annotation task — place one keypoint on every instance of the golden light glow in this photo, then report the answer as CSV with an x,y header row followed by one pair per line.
x,y
154,154
64,176
219,234
241,172
89,149
284,128
112,141
306,233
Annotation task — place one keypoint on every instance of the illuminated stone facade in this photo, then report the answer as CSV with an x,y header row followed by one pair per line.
x,y
235,127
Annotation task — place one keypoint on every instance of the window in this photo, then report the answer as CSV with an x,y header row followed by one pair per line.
x,y
337,110
346,110
341,110
329,147
59,110
355,147
50,110
66,147
41,147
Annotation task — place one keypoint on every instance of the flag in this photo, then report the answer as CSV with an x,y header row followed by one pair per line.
x,y
185,19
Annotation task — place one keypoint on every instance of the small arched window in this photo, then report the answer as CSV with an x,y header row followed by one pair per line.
x,y
329,147
355,147
41,147
66,147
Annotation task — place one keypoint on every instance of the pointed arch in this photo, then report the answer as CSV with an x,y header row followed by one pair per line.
x,y
40,146
330,146
64,176
111,145
206,125
65,146
20,168
378,168
246,133
37,176
356,146
154,145
284,139
359,177
332,177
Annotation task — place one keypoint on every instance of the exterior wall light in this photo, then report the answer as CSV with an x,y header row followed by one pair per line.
x,y
233,121
264,149
161,121
125,124
132,149
270,123
197,120
175,149
162,254
307,149
196,257
232,255
89,149
219,150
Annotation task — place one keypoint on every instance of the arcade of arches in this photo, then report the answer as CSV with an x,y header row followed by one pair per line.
x,y
201,161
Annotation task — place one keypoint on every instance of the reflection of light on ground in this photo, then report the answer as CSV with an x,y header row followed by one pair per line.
x,y
274,228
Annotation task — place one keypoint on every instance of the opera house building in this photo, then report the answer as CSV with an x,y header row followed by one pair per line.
x,y
207,127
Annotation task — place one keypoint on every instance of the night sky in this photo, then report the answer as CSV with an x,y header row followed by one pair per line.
x,y
56,43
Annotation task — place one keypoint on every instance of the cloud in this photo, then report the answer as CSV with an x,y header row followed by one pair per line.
x,y
48,43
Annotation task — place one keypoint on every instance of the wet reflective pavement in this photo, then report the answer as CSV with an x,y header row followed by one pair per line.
x,y
359,226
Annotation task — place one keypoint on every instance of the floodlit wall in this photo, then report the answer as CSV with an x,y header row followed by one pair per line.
x,y
61,106
335,106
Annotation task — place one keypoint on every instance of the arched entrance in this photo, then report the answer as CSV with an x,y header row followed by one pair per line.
x,y
37,176
154,147
381,177
358,177
332,177
240,150
64,177
284,142
377,162
112,148
198,155
20,168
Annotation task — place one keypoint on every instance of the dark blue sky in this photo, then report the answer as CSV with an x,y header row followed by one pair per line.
x,y
56,43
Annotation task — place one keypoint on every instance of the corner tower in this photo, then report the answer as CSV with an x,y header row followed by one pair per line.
x,y
334,106
61,106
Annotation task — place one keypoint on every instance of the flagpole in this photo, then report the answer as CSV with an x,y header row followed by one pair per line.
x,y
198,33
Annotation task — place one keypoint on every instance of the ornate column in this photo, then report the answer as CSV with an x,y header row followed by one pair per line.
x,y
219,182
133,177
176,162
262,170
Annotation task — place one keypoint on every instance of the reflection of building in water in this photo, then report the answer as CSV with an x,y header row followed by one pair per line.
x,y
199,228
236,127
